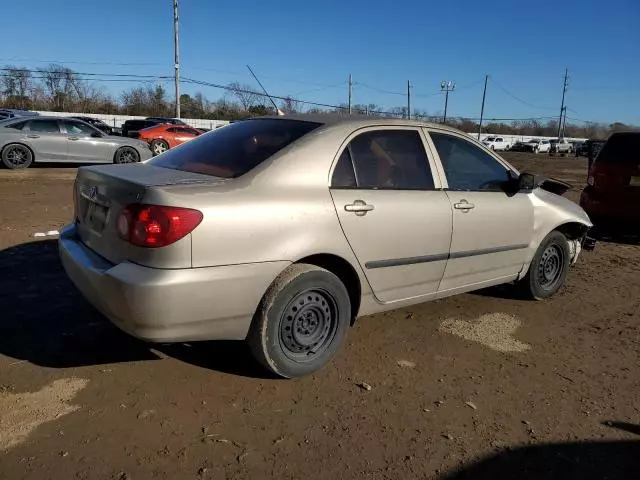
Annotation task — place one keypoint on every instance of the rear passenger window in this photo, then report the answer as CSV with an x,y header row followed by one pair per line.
x,y
44,126
622,149
17,126
385,159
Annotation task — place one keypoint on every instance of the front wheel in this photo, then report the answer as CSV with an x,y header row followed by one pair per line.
x,y
301,322
549,268
16,157
126,155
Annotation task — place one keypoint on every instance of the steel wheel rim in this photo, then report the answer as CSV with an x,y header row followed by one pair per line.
x,y
17,156
127,156
159,147
550,267
308,325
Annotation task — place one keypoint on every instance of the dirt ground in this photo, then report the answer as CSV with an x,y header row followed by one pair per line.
x,y
476,386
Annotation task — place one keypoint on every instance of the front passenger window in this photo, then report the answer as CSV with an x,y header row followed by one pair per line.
x,y
468,167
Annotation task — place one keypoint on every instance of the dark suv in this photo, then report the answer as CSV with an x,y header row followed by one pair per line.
x,y
100,125
612,195
130,128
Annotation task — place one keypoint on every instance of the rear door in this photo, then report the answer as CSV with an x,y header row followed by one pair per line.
x,y
83,147
46,140
393,212
183,134
491,229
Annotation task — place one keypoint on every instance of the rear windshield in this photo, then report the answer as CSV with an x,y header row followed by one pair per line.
x,y
621,148
232,151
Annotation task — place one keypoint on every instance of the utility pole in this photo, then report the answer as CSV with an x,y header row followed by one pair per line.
x,y
176,48
409,99
350,91
484,95
564,121
446,86
564,91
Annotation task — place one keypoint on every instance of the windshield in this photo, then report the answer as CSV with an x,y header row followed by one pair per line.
x,y
232,151
490,139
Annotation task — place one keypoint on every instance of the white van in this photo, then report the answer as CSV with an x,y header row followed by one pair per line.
x,y
497,143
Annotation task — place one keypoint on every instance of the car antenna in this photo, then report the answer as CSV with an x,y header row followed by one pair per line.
x,y
278,111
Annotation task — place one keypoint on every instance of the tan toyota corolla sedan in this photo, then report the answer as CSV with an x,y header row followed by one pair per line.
x,y
283,230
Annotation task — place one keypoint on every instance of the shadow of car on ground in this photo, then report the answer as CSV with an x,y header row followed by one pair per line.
x,y
47,322
612,460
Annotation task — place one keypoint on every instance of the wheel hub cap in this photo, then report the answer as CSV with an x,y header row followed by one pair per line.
x,y
550,267
308,324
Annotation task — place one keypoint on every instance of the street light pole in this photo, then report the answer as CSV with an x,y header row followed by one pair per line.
x,y
446,86
176,49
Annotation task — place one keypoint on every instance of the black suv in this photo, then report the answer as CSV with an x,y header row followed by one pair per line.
x,y
100,125
130,128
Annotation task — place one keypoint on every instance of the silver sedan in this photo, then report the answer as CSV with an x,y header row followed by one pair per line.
x,y
59,139
283,230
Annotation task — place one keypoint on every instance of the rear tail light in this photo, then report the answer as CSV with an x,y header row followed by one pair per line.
x,y
156,225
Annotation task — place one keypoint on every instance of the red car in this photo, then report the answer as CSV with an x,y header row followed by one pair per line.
x,y
612,195
165,136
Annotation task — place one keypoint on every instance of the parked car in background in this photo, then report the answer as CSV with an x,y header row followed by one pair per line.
x,y
163,137
589,149
100,125
24,140
172,121
130,128
12,113
538,146
519,147
497,143
282,230
612,195
560,146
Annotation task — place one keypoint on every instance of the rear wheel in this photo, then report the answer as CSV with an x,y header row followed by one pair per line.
x,y
126,155
159,146
301,322
16,156
549,267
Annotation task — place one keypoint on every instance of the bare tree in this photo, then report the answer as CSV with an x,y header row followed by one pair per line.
x,y
291,105
245,95
16,86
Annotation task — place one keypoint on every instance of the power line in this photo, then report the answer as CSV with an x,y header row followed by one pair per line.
x,y
524,102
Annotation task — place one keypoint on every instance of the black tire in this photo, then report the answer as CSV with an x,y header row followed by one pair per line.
x,y
549,268
306,308
16,156
126,155
160,145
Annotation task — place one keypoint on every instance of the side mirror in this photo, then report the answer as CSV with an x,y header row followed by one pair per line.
x,y
96,135
526,181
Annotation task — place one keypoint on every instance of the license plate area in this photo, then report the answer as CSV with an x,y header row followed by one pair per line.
x,y
96,216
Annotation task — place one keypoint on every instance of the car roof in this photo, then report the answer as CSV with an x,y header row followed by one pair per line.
x,y
357,121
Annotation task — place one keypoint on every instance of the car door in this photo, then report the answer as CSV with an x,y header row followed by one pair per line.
x,y
86,143
182,134
393,212
491,228
46,140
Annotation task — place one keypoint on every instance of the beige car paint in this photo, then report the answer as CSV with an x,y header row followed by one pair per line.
x,y
284,211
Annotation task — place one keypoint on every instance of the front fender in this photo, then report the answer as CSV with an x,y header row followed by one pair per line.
x,y
550,212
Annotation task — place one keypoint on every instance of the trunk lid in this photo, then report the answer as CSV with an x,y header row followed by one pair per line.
x,y
103,191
